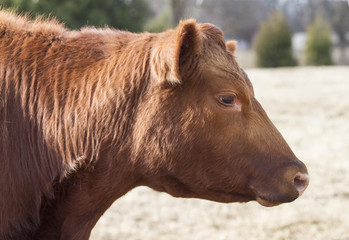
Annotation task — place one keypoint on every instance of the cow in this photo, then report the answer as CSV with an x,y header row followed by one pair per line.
x,y
88,115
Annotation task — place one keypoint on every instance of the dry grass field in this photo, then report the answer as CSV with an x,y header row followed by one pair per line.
x,y
310,106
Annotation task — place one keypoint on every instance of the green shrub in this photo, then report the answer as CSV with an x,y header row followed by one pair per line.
x,y
318,47
160,23
273,43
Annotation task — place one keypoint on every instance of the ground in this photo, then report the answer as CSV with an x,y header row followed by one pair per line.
x,y
310,107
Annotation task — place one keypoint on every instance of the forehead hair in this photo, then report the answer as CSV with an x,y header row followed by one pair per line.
x,y
222,61
211,34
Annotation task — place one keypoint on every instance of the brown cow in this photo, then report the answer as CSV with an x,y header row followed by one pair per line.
x,y
85,116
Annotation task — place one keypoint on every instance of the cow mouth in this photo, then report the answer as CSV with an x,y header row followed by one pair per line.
x,y
228,197
267,202
270,200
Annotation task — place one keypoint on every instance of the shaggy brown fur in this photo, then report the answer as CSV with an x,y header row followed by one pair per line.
x,y
85,116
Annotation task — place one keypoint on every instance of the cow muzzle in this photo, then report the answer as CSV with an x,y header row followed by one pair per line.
x,y
282,188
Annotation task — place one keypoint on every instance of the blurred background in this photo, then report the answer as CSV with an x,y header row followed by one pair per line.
x,y
296,55
270,33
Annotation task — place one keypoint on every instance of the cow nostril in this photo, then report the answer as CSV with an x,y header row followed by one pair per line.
x,y
301,181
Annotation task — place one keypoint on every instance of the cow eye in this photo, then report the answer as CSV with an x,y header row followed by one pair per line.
x,y
228,100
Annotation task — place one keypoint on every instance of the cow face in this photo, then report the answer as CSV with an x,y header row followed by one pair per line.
x,y
201,132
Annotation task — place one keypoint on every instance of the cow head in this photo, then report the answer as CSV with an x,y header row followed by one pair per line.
x,y
200,132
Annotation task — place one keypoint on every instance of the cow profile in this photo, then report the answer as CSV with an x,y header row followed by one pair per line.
x,y
86,116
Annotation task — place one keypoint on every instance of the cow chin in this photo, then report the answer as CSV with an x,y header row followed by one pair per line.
x,y
271,200
264,201
267,203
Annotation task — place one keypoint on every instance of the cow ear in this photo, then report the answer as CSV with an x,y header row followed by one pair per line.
x,y
171,59
232,46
